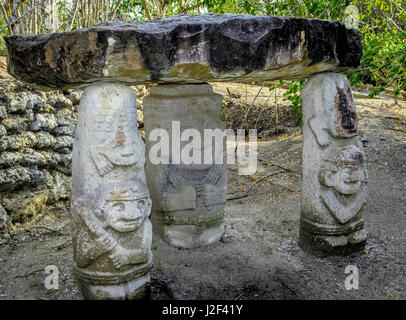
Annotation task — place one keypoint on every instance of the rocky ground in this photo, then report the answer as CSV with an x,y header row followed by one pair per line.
x,y
259,257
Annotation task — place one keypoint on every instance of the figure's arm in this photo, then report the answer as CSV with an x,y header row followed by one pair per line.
x,y
88,250
141,254
342,212
319,132
103,240
103,165
121,256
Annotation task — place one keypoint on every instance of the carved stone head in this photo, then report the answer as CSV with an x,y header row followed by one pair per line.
x,y
125,205
115,138
123,147
344,170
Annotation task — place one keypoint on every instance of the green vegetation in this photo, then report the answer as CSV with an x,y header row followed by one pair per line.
x,y
382,25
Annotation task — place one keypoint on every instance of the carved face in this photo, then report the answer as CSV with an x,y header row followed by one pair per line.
x,y
126,216
124,204
126,147
346,180
346,171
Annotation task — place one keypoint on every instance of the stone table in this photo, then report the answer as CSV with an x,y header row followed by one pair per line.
x,y
112,195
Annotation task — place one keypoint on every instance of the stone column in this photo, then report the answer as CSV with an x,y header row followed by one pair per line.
x,y
187,198
110,203
334,186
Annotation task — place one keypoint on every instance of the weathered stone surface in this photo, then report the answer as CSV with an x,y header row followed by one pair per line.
x,y
13,178
25,139
56,159
25,204
59,186
63,142
5,219
30,115
110,202
66,117
75,97
3,112
65,130
31,160
334,186
21,101
59,102
45,140
187,199
45,108
186,48
10,159
3,131
16,124
44,121
3,144
64,150
28,157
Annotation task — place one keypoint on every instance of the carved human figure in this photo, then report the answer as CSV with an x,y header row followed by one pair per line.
x,y
110,203
112,229
200,185
188,198
117,142
344,171
340,120
334,186
343,178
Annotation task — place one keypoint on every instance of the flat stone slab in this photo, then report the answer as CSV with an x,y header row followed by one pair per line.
x,y
185,49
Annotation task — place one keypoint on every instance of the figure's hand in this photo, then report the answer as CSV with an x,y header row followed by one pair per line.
x,y
106,241
103,165
119,257
105,168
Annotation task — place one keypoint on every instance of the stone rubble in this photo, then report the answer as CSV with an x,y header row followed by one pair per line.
x,y
35,151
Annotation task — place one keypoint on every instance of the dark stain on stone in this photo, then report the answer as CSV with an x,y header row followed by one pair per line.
x,y
358,157
329,41
347,111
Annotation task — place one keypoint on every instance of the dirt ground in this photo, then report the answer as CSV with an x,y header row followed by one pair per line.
x,y
259,257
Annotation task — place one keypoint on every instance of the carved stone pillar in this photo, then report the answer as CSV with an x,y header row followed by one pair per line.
x,y
334,186
187,199
110,203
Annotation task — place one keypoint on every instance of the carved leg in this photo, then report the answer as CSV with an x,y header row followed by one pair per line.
x,y
334,186
188,199
110,203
